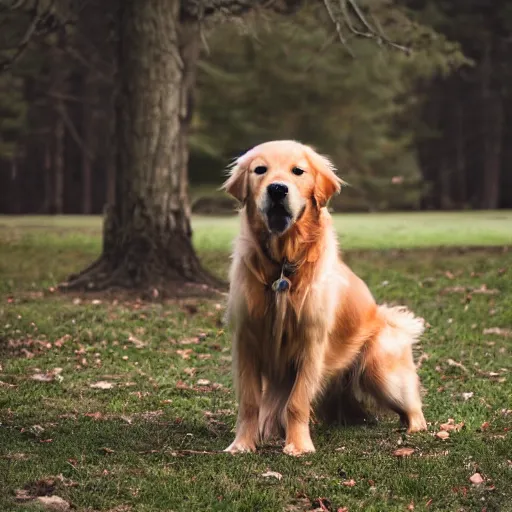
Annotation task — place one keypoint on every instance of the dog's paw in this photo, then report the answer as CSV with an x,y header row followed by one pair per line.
x,y
417,424
240,447
296,451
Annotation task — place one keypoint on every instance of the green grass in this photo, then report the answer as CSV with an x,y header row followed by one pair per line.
x,y
138,446
356,230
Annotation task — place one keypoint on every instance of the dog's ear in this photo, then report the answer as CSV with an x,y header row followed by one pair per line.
x,y
237,184
326,183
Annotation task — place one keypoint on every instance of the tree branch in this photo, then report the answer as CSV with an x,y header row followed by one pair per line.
x,y
22,45
349,14
74,133
337,25
198,9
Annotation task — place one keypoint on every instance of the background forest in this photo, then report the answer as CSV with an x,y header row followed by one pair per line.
x,y
424,129
115,363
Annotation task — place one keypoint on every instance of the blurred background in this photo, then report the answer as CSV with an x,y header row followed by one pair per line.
x,y
425,129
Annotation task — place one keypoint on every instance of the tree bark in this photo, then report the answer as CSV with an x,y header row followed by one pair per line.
x,y
147,232
59,85
48,179
492,104
493,150
460,154
58,162
87,150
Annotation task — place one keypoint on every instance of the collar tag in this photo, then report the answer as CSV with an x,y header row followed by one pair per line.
x,y
281,285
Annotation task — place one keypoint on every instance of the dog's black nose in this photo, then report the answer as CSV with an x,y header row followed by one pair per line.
x,y
277,191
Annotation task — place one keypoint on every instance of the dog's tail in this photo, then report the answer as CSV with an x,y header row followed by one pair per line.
x,y
405,326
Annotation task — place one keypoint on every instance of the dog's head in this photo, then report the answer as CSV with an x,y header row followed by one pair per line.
x,y
282,180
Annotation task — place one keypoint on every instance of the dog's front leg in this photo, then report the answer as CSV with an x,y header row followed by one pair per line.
x,y
247,376
297,413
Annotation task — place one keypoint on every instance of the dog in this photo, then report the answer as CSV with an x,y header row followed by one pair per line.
x,y
308,336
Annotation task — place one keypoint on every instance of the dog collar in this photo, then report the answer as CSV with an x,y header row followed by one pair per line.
x,y
283,283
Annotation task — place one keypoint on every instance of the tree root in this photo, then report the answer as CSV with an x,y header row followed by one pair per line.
x,y
154,280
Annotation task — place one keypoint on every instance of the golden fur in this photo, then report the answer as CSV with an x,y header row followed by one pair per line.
x,y
301,348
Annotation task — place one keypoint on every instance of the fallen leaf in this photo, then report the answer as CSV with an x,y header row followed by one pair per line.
x,y
49,376
403,452
54,503
485,425
476,479
23,495
272,474
94,415
17,456
485,291
58,343
321,504
136,342
410,506
499,331
28,354
451,425
7,385
454,289
107,450
102,384
451,362
203,382
184,353
349,483
468,395
190,371
342,509
443,435
67,482
189,341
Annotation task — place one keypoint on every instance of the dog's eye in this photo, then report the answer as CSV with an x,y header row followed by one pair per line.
x,y
261,169
297,171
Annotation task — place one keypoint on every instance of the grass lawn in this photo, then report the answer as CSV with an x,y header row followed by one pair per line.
x,y
115,404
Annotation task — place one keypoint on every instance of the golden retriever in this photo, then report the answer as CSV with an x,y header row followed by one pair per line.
x,y
305,328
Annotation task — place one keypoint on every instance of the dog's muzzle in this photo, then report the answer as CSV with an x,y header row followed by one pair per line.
x,y
277,211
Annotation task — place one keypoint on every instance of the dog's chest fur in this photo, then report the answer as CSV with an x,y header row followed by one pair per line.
x,y
280,322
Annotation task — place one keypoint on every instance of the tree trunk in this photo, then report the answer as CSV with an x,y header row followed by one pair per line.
x,y
59,86
493,149
147,233
444,185
48,180
87,150
492,133
111,181
460,154
58,162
